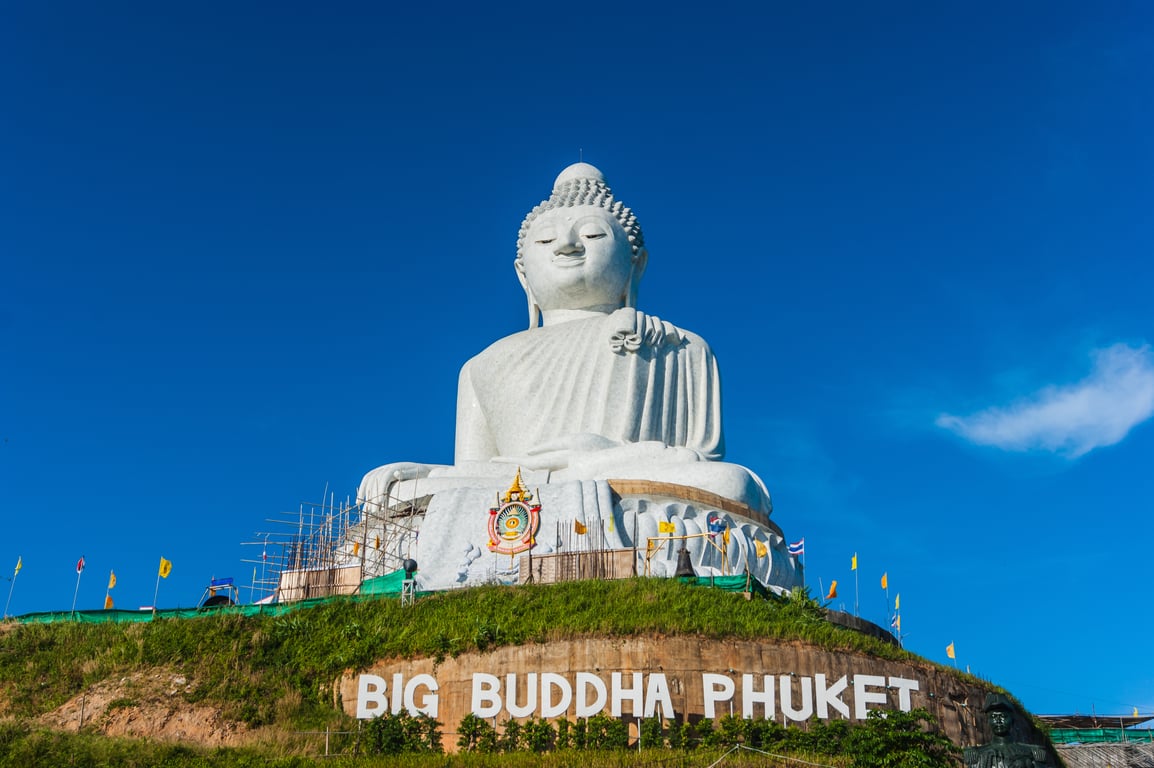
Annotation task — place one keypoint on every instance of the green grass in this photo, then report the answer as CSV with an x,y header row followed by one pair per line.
x,y
21,747
279,670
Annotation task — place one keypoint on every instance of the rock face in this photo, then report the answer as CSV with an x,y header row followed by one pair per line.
x,y
146,704
678,677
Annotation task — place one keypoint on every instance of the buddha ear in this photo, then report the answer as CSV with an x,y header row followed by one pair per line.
x,y
640,260
534,308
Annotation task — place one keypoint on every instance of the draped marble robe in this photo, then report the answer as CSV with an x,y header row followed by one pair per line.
x,y
603,376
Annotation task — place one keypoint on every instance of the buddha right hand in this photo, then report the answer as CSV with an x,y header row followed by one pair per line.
x,y
374,488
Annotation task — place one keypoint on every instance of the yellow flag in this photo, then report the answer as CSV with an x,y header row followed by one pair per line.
x,y
1135,712
950,651
832,590
760,548
378,543
19,564
165,568
356,548
111,579
108,602
898,602
853,562
578,527
664,527
899,625
885,581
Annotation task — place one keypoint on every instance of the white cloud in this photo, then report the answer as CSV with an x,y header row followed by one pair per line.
x,y
1071,420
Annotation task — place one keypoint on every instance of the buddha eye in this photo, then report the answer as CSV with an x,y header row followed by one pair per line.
x,y
545,242
593,235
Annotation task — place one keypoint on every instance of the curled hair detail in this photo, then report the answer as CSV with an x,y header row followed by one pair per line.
x,y
585,191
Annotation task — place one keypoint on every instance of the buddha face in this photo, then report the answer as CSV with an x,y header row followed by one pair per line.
x,y
1000,721
577,258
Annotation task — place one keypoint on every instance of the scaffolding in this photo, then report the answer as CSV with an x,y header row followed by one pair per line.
x,y
331,547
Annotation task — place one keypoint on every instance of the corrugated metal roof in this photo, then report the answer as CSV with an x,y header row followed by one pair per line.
x,y
1107,755
1094,721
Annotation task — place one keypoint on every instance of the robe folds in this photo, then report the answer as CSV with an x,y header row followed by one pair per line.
x,y
611,376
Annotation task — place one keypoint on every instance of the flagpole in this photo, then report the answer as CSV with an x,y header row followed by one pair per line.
x,y
887,577
264,562
20,561
79,573
156,593
856,591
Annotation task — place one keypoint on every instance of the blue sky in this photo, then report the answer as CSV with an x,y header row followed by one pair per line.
x,y
244,251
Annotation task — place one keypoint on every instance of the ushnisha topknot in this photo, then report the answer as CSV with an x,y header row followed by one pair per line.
x,y
583,184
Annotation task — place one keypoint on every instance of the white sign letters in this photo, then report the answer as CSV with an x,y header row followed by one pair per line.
x,y
640,694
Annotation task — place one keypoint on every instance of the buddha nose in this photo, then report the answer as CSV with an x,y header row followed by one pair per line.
x,y
569,244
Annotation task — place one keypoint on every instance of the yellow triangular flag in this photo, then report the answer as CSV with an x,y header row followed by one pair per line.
x,y
725,535
578,528
356,548
885,581
664,527
832,590
760,548
19,565
107,602
950,651
898,602
378,543
165,568
853,562
111,579
1135,712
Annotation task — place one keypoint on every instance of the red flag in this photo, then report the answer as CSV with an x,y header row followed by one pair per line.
x,y
79,566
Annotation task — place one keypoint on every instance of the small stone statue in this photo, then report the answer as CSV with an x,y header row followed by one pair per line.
x,y
1001,752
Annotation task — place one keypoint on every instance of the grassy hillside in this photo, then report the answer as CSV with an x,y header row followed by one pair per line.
x,y
276,673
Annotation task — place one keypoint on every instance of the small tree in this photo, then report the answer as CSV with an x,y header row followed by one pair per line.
x,y
702,733
731,731
580,731
605,732
539,735
402,733
650,733
900,740
476,735
565,734
513,738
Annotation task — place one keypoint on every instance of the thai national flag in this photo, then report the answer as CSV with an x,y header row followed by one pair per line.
x,y
797,547
715,525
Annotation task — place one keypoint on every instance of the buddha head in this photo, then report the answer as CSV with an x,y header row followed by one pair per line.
x,y
580,249
1000,713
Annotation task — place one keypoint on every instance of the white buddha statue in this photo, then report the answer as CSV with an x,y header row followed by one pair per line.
x,y
594,390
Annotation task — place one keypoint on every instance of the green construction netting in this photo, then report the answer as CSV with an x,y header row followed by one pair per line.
x,y
1099,735
96,617
387,586
729,584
